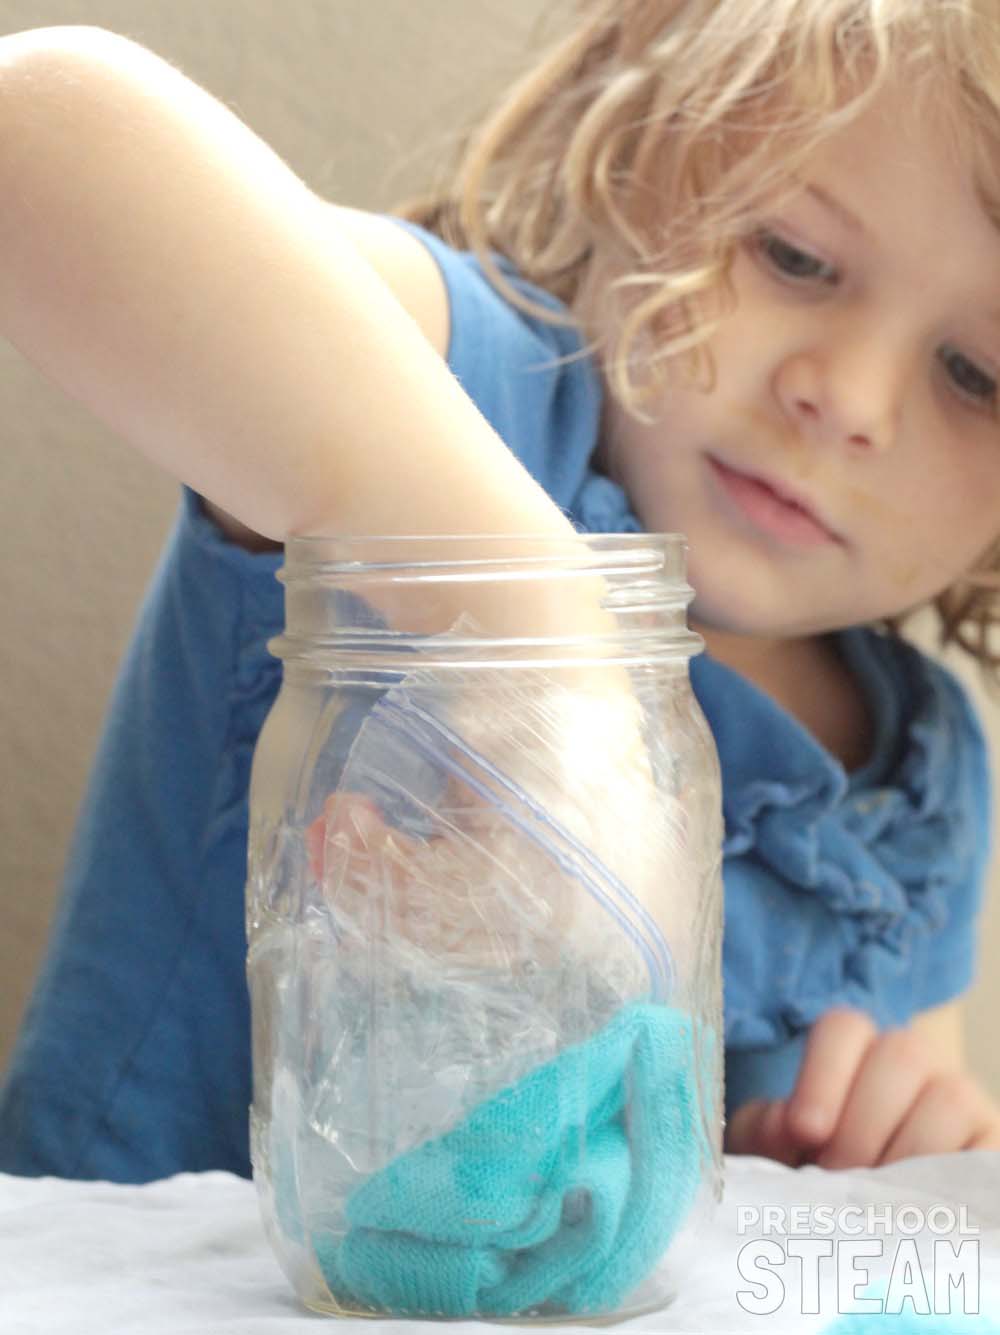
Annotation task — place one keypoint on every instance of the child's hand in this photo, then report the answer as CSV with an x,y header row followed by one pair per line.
x,y
865,1098
450,895
475,892
484,879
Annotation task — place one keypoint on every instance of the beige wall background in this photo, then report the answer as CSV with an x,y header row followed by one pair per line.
x,y
360,97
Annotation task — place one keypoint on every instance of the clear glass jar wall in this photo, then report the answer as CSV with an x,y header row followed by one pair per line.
x,y
484,913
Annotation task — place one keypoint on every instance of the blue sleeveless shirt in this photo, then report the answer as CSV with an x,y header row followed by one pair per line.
x,y
856,889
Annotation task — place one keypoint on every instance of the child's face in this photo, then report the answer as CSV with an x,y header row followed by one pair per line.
x,y
859,374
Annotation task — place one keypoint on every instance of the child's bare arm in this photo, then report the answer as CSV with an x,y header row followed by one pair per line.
x,y
162,265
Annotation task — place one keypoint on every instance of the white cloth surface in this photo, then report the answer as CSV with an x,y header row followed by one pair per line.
x,y
188,1255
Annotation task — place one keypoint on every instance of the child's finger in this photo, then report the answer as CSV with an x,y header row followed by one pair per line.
x,y
835,1049
758,1127
895,1071
743,1127
352,815
355,815
951,1113
988,1139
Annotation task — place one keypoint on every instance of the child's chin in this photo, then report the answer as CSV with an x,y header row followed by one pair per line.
x,y
731,612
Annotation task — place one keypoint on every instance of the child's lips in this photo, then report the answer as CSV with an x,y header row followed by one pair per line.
x,y
774,507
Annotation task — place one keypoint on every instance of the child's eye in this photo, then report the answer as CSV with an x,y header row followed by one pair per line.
x,y
971,381
792,261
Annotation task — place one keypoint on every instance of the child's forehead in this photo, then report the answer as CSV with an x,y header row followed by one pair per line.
x,y
700,180
913,159
924,132
920,126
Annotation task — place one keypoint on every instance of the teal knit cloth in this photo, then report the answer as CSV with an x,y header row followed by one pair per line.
x,y
908,1323
564,1189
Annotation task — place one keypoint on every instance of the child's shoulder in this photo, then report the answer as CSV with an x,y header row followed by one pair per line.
x,y
469,283
532,379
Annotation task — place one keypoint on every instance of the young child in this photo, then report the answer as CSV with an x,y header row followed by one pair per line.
x,y
718,267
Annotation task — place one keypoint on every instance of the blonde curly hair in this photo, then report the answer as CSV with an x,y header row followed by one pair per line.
x,y
650,136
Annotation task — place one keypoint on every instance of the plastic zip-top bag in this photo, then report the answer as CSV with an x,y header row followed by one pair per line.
x,y
461,848
501,1038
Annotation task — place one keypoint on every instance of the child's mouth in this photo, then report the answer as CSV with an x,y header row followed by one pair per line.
x,y
771,510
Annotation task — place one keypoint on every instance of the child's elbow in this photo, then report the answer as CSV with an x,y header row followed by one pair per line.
x,y
71,68
56,78
64,39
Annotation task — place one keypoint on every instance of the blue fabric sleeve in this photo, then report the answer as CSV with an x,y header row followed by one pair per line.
x,y
133,1059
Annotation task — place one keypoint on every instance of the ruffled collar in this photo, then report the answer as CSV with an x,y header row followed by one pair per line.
x,y
601,506
773,761
883,849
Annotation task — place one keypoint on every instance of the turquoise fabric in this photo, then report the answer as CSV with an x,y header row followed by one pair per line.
x,y
565,1188
907,1323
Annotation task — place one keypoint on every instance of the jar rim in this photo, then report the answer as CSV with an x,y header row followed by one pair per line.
x,y
334,552
551,539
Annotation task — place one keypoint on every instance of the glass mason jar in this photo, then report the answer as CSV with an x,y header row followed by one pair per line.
x,y
484,911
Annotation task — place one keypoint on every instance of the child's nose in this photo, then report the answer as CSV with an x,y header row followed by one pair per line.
x,y
840,397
